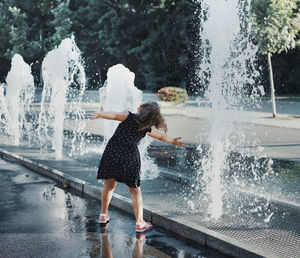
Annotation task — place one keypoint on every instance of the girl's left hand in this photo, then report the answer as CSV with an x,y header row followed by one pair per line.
x,y
176,142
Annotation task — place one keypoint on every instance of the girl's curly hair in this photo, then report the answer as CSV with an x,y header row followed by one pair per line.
x,y
150,115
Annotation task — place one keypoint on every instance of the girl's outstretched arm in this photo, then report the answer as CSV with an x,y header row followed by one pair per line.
x,y
119,116
165,138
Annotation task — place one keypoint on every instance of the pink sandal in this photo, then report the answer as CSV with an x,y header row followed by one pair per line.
x,y
142,227
103,219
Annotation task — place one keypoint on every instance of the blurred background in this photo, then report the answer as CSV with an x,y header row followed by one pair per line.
x,y
158,40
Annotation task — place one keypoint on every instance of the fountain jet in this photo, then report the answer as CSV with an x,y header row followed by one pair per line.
x,y
227,69
19,95
118,94
63,74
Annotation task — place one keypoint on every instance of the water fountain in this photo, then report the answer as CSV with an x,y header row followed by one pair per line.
x,y
62,70
3,110
228,70
119,94
64,85
19,95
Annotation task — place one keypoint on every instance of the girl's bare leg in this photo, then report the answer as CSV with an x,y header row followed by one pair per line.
x,y
107,191
137,203
138,249
106,249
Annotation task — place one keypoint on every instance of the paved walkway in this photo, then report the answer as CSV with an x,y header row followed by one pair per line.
x,y
259,133
40,219
269,228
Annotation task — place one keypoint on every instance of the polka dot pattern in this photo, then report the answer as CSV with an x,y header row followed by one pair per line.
x,y
121,157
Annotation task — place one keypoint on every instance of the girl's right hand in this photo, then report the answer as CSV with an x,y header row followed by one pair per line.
x,y
176,142
95,116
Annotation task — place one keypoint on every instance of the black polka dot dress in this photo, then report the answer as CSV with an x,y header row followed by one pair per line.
x,y
121,157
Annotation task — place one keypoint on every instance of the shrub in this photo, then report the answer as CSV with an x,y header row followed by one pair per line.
x,y
172,94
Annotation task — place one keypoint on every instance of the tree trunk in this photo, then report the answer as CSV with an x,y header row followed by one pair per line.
x,y
272,85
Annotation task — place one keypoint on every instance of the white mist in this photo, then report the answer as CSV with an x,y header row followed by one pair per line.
x,y
227,56
62,68
118,94
19,95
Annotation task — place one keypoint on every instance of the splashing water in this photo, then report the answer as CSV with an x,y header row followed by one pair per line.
x,y
228,70
3,110
19,96
62,70
118,94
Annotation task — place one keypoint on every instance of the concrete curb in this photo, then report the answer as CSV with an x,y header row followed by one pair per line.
x,y
187,230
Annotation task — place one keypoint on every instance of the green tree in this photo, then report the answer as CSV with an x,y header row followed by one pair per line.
x,y
287,72
38,18
4,39
123,30
277,25
164,49
150,37
61,23
155,38
34,18
18,34
85,15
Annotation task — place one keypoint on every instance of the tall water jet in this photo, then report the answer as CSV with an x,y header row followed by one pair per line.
x,y
118,94
3,110
62,69
19,95
227,68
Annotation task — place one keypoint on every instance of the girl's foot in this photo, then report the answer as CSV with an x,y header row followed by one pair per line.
x,y
143,226
103,219
140,236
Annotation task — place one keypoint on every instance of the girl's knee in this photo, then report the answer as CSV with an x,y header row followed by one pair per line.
x,y
110,183
136,190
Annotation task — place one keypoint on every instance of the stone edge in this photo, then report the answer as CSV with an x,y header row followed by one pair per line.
x,y
188,231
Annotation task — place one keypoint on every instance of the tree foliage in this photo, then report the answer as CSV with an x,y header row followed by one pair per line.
x,y
150,37
277,24
5,38
287,72
157,39
61,23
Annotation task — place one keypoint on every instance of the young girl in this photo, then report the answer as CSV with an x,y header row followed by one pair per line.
x,y
120,161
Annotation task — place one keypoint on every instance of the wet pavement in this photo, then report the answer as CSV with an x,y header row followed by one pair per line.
x,y
260,133
266,225
67,234
41,219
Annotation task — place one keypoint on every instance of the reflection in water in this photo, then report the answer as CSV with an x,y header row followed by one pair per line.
x,y
105,247
139,246
66,207
78,221
49,193
106,250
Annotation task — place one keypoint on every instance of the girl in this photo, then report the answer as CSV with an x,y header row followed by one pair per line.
x,y
120,161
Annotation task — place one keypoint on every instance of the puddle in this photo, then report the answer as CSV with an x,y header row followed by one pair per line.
x,y
29,179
